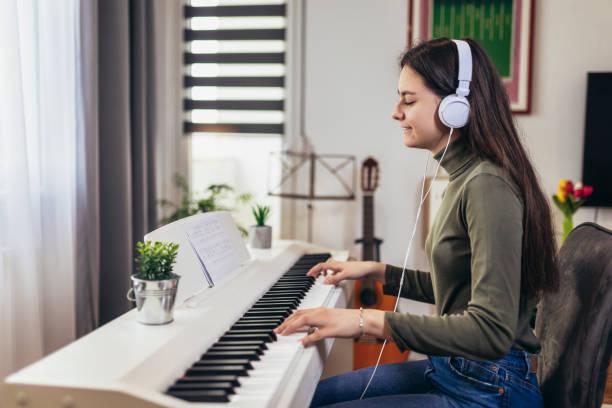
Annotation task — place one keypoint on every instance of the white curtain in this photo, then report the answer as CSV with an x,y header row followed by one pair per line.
x,y
38,67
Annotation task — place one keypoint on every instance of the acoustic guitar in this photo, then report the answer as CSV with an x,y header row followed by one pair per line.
x,y
368,293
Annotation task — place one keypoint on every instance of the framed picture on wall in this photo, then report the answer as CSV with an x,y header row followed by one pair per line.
x,y
503,27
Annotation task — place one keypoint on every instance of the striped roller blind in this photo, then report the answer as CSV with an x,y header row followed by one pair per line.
x,y
235,66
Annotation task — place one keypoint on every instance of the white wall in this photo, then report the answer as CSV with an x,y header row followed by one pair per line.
x,y
351,78
571,38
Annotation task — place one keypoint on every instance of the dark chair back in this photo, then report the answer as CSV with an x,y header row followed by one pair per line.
x,y
574,324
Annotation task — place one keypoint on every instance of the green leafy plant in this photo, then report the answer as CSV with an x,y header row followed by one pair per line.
x,y
156,259
261,213
213,198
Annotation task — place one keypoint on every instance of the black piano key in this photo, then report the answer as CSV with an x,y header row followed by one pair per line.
x,y
293,288
306,285
296,289
278,315
259,343
255,336
258,348
249,319
256,320
215,354
232,379
252,331
268,312
285,287
201,395
229,362
264,306
252,326
194,386
288,286
281,302
238,370
305,264
283,293
281,299
297,280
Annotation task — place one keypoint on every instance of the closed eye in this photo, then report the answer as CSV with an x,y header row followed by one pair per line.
x,y
408,103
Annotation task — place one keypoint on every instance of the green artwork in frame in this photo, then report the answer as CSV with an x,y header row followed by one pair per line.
x,y
488,22
502,27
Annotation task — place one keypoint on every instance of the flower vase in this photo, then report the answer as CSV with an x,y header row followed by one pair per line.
x,y
568,226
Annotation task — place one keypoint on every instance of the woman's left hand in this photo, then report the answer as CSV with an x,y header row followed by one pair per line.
x,y
329,322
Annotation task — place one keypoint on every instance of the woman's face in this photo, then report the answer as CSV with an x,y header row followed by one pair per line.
x,y
417,113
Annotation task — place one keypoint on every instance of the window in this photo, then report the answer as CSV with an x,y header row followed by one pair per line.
x,y
235,95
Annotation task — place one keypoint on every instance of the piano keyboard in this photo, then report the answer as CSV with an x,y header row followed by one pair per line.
x,y
220,346
249,360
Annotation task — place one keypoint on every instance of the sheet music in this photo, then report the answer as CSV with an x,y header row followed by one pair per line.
x,y
213,248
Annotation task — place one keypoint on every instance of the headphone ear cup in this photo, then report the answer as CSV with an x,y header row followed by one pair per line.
x,y
454,111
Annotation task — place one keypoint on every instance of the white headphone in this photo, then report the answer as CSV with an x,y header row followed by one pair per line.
x,y
454,110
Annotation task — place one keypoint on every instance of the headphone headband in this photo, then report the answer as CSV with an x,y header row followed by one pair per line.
x,y
465,67
454,110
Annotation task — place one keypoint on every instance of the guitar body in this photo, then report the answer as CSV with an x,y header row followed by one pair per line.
x,y
367,349
368,293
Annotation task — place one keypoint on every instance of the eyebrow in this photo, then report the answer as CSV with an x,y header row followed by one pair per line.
x,y
404,93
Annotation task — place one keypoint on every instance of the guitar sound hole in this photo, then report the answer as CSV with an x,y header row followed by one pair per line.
x,y
368,297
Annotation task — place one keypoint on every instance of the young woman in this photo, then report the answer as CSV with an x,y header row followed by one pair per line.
x,y
491,252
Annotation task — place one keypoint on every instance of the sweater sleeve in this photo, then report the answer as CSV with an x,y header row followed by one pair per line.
x,y
493,216
417,284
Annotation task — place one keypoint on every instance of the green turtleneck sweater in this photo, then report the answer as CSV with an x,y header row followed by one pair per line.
x,y
474,253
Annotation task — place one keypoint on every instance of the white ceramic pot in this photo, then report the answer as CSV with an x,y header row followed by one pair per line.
x,y
260,237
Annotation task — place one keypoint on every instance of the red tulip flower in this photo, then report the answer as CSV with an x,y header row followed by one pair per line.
x,y
578,192
569,187
587,191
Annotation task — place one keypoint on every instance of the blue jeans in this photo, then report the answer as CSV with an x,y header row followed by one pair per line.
x,y
437,382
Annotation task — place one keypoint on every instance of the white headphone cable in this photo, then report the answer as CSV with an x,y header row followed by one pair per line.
x,y
416,222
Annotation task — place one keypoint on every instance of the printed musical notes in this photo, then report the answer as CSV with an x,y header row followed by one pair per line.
x,y
213,249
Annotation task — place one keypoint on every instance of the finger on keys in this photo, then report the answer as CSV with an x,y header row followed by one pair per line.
x,y
316,335
292,323
323,267
334,279
279,329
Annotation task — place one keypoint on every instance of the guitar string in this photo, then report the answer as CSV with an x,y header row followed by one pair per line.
x,y
421,201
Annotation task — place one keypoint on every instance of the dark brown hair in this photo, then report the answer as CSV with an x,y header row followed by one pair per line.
x,y
492,136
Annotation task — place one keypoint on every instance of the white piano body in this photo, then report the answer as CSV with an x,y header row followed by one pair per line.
x,y
128,364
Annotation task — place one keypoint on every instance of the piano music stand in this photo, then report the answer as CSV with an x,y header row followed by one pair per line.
x,y
291,164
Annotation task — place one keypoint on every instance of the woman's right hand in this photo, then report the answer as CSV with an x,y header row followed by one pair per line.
x,y
348,270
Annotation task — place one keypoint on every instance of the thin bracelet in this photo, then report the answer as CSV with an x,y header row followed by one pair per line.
x,y
361,325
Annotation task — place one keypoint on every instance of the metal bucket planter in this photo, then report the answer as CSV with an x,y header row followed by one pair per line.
x,y
154,299
260,237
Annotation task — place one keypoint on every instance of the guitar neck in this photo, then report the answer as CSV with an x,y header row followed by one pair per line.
x,y
367,249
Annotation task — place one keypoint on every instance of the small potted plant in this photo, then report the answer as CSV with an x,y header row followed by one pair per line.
x,y
260,235
155,285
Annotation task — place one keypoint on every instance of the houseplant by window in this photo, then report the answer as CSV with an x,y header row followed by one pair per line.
x,y
155,285
214,198
260,235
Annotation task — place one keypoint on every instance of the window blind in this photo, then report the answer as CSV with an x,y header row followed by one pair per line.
x,y
235,66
